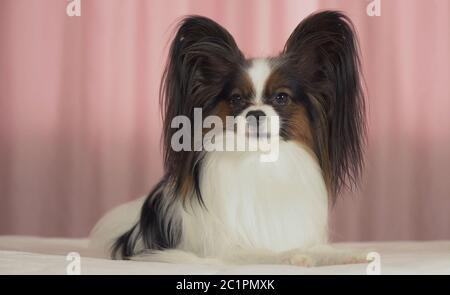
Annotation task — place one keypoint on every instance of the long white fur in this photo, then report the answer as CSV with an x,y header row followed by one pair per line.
x,y
251,204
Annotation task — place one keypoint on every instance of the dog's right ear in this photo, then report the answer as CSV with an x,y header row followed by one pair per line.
x,y
201,57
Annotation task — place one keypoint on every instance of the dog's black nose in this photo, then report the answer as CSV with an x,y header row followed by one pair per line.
x,y
258,115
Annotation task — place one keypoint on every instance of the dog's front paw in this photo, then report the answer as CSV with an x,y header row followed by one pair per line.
x,y
298,259
322,256
354,258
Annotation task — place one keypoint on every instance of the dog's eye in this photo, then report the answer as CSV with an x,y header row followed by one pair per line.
x,y
281,98
236,99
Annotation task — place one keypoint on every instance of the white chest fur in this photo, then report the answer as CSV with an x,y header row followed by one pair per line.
x,y
250,204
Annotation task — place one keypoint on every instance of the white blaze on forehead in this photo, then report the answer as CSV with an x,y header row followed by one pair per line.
x,y
259,71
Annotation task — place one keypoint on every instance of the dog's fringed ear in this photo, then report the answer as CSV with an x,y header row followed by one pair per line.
x,y
201,58
324,50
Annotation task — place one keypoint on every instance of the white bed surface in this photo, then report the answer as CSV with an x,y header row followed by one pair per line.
x,y
33,255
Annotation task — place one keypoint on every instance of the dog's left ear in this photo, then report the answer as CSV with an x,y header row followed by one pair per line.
x,y
324,51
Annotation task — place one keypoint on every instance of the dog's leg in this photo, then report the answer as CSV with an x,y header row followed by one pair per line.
x,y
322,255
174,256
315,256
237,256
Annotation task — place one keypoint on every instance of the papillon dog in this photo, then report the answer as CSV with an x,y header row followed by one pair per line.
x,y
229,206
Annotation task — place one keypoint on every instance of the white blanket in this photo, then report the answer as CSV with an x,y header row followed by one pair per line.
x,y
32,255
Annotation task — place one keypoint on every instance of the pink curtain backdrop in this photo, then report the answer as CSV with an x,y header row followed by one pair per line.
x,y
80,124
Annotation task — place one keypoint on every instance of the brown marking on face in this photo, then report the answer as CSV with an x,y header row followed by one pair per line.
x,y
242,87
276,82
223,110
294,118
298,126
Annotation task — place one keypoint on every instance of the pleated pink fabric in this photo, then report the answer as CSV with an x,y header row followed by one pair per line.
x,y
80,124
